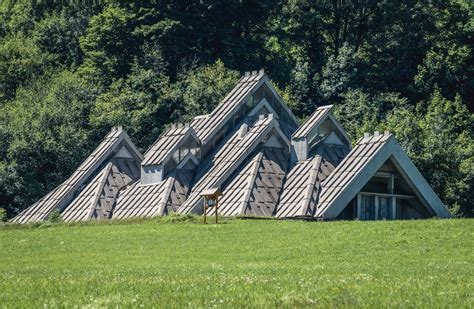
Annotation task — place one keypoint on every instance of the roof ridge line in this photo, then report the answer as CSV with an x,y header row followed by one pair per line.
x,y
175,140
100,187
241,90
166,194
315,119
377,137
251,183
314,172
329,106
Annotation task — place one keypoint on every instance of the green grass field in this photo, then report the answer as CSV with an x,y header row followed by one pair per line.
x,y
253,263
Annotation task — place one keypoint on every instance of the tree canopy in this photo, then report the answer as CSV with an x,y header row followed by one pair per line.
x,y
68,72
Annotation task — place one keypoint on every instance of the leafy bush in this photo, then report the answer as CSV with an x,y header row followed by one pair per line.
x,y
54,216
3,215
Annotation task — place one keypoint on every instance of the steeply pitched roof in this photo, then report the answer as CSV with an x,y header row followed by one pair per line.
x,y
151,200
198,123
332,153
167,143
302,188
64,193
248,163
256,189
99,197
314,120
39,210
227,160
360,165
142,200
82,206
320,135
207,126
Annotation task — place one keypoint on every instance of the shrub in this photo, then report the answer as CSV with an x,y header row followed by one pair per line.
x,y
54,216
3,215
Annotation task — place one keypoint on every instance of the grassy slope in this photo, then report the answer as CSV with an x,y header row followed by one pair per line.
x,y
242,262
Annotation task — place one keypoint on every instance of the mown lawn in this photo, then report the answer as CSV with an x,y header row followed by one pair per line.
x,y
253,263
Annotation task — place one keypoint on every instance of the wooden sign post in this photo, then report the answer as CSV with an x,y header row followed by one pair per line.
x,y
211,199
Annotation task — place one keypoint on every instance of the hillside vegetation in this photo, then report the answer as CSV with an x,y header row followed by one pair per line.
x,y
169,262
70,70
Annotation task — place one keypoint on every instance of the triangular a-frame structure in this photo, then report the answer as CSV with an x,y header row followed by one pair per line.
x,y
232,155
253,95
112,165
377,180
256,189
321,134
252,149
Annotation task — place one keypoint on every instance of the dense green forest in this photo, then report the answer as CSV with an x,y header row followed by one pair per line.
x,y
70,71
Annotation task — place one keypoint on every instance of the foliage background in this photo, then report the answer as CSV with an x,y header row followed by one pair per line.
x,y
69,71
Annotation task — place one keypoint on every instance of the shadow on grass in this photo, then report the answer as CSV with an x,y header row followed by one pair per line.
x,y
172,218
169,219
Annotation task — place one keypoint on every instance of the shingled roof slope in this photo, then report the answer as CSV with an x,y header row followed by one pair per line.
x,y
81,207
314,120
142,200
167,143
359,167
227,159
39,210
206,126
198,123
98,198
332,153
151,200
302,188
222,161
63,194
256,189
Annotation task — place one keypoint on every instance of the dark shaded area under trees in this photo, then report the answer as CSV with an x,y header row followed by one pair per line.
x,y
68,72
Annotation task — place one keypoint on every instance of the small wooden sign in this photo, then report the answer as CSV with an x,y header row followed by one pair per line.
x,y
211,199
